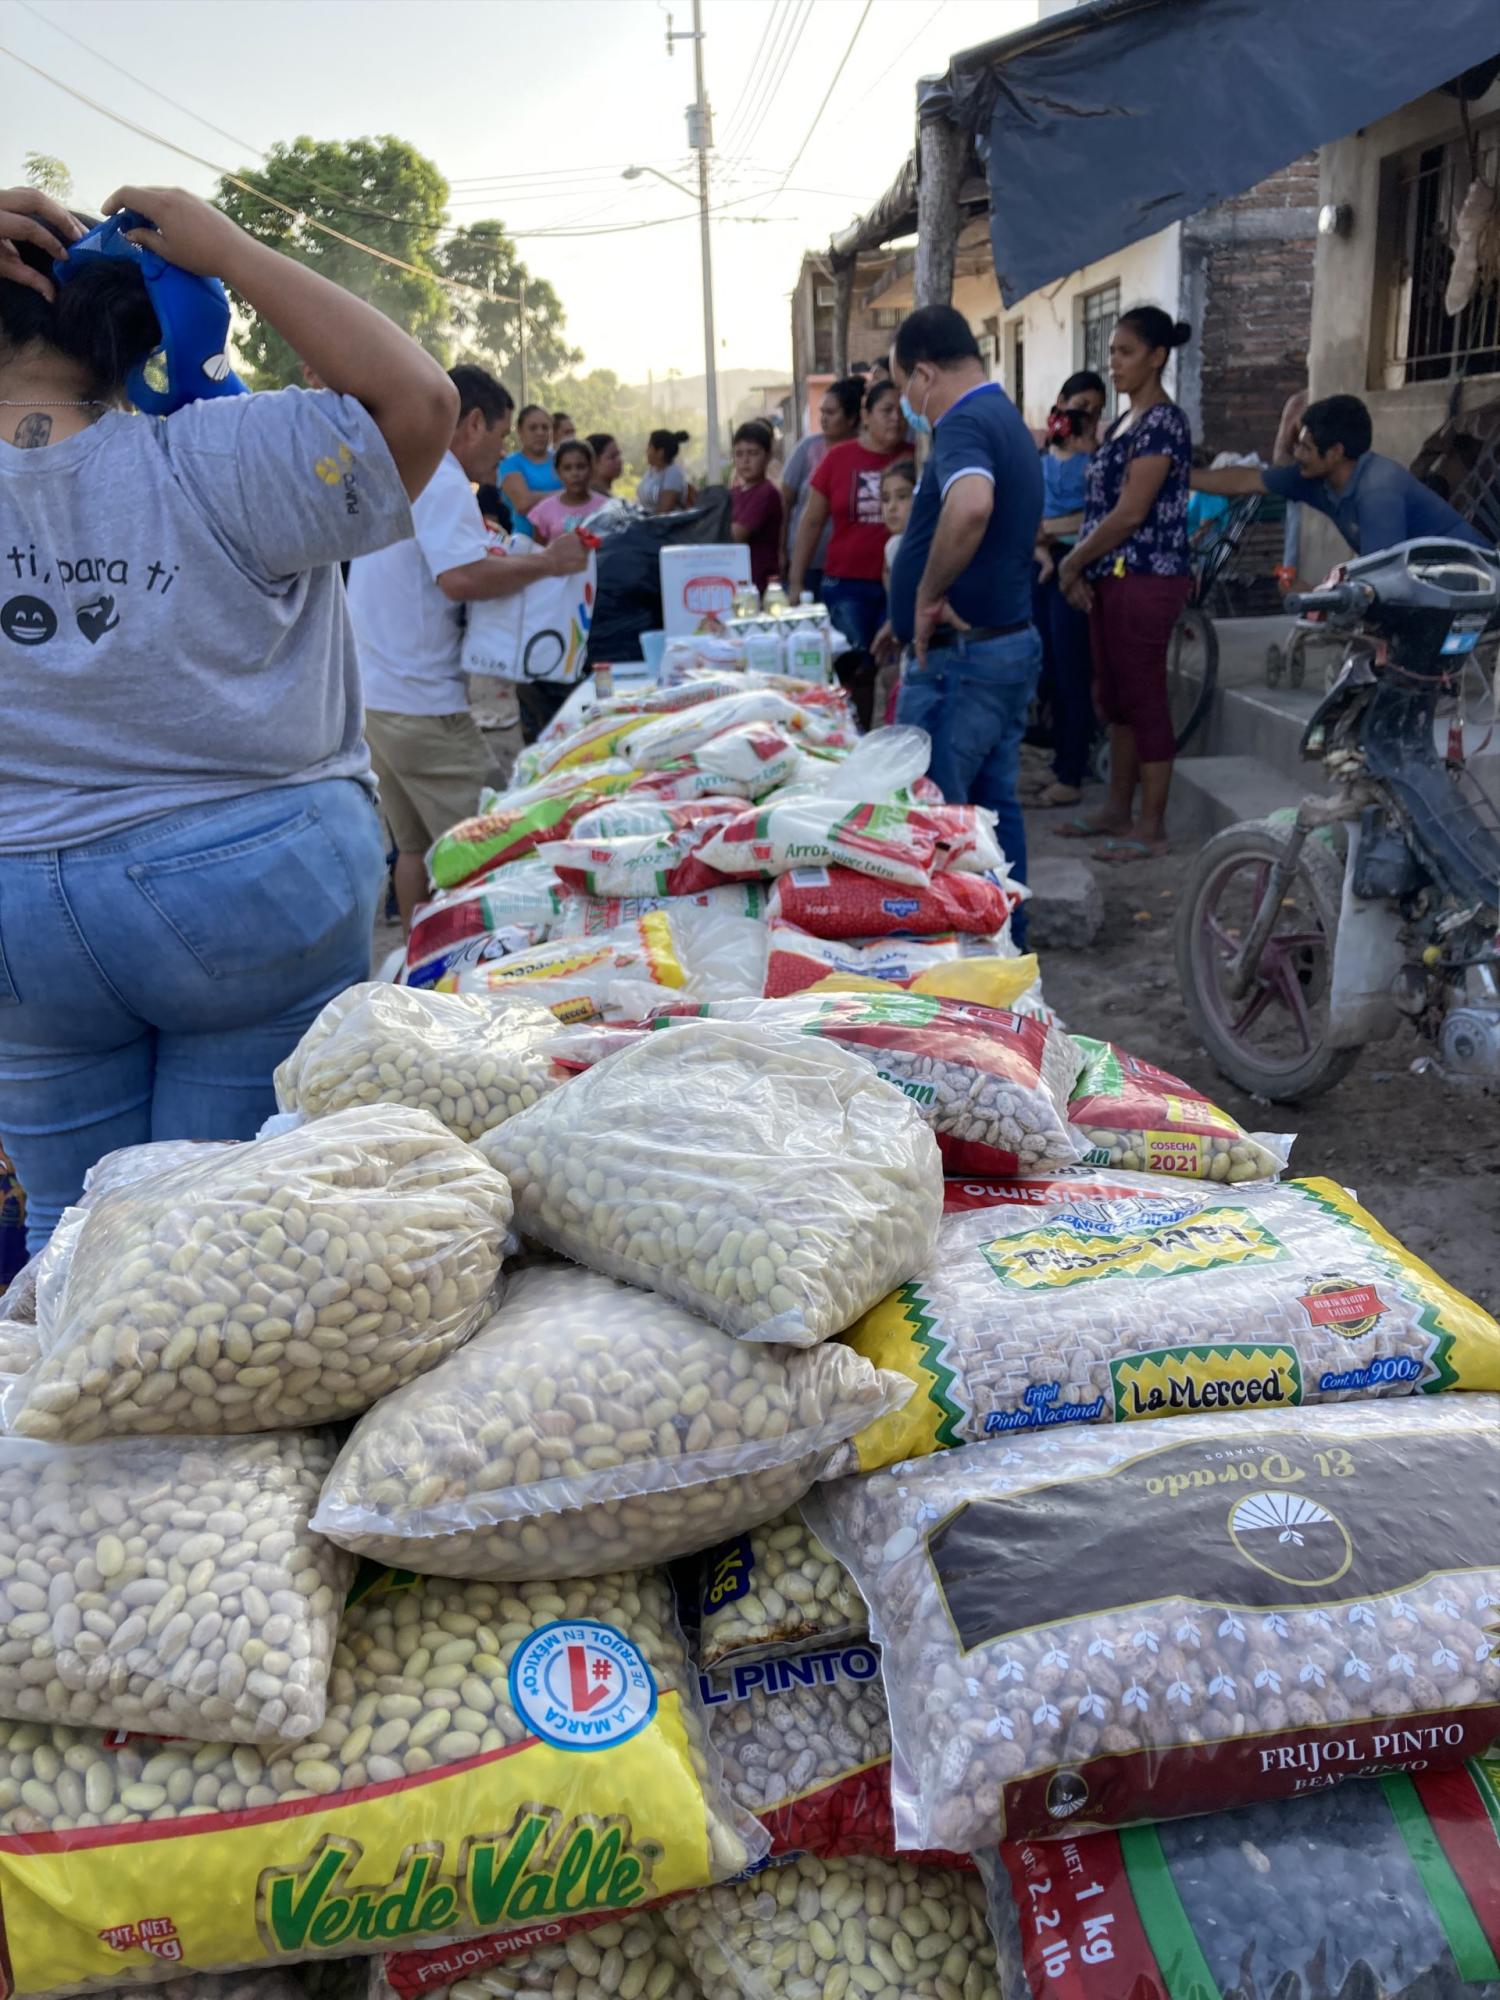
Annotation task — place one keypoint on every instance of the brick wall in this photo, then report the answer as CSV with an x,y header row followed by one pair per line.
x,y
1257,317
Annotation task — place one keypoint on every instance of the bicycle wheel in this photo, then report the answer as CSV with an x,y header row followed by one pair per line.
x,y
1192,673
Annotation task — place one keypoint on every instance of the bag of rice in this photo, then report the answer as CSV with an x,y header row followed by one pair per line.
x,y
288,1281
842,903
588,916
590,1427
806,1746
684,734
806,1929
772,1591
493,1757
1085,1300
516,822
168,1584
471,1062
631,1957
1083,1628
891,843
796,960
632,864
500,912
819,1186
1144,1119
704,952
632,815
1384,1887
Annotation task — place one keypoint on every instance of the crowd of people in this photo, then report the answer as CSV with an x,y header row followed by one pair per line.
x,y
199,710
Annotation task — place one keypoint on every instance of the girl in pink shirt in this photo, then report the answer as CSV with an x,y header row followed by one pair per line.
x,y
560,513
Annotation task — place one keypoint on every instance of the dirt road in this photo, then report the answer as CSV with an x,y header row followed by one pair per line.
x,y
1423,1156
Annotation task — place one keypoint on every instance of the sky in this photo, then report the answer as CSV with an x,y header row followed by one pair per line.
x,y
532,111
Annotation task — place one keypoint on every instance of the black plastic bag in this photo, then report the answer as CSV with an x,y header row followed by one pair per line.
x,y
628,602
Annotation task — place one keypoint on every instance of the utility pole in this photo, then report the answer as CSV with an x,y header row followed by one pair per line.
x,y
700,138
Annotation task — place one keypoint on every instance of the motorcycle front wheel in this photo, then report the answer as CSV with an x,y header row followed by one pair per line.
x,y
1272,1041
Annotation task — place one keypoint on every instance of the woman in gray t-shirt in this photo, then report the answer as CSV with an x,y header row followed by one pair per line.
x,y
663,487
189,851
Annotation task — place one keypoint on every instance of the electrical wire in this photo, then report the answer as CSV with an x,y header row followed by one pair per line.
x,y
827,96
256,194
753,77
904,51
750,72
785,58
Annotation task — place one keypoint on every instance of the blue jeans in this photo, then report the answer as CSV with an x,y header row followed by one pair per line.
x,y
856,607
971,698
150,983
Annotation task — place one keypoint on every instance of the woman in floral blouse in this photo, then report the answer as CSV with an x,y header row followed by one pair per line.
x,y
1130,571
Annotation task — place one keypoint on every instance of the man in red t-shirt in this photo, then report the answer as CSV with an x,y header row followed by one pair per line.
x,y
845,490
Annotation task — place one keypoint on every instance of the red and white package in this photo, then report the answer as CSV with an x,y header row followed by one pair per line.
x,y
964,837
632,864
841,903
798,960
587,916
889,842
806,1746
636,815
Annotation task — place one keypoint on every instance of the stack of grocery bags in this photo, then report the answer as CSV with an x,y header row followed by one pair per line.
x,y
645,1482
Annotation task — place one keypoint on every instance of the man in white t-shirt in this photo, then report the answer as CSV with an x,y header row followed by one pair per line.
x,y
407,604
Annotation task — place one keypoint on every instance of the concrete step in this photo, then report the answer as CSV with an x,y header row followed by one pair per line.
x,y
1258,722
1210,793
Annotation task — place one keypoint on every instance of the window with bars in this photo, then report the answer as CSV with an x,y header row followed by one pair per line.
x,y
1097,312
1426,343
886,318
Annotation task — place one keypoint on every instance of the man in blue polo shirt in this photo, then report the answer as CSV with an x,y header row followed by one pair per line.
x,y
1372,501
961,582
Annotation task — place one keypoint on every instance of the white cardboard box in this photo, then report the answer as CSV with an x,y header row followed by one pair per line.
x,y
699,580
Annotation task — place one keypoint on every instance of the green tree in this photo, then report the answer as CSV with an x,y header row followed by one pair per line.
x,y
47,172
488,330
600,401
382,192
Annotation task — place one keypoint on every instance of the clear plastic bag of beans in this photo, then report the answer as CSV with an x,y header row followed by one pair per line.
x,y
776,1189
290,1281
841,1930
774,1589
590,1427
471,1061
170,1585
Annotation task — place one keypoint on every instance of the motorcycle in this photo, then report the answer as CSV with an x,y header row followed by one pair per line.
x,y
1379,902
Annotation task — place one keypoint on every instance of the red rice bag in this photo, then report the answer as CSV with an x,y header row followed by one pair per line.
x,y
842,903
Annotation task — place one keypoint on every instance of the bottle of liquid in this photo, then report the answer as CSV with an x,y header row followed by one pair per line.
x,y
809,655
806,597
746,601
775,602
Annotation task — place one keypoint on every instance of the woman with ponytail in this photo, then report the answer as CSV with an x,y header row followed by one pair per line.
x,y
189,850
1130,571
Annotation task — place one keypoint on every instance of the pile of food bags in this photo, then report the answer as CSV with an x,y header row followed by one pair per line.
x,y
624,1492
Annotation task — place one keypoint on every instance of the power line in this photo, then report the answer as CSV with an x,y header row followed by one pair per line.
x,y
751,81
902,52
784,58
256,194
332,197
827,95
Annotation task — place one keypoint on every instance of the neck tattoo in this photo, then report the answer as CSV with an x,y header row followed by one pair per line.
x,y
33,431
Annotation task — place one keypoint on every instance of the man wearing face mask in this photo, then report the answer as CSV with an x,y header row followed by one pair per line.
x,y
961,583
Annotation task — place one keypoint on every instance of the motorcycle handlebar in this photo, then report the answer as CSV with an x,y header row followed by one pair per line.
x,y
1339,597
